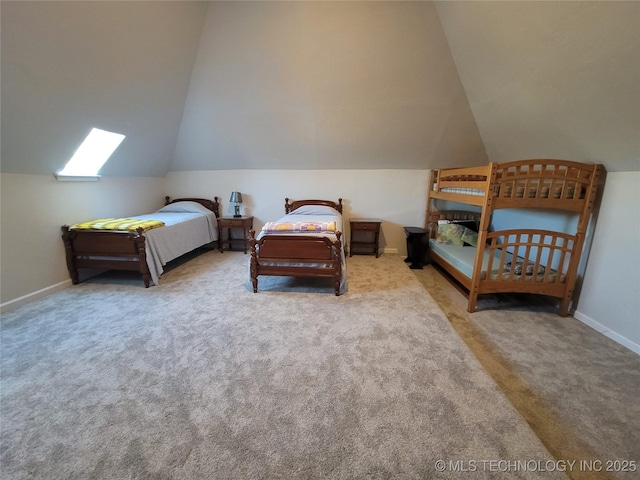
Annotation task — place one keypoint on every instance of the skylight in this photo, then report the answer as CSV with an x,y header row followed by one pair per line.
x,y
92,154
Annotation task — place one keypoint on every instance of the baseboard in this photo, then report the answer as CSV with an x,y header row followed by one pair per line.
x,y
388,250
598,327
18,302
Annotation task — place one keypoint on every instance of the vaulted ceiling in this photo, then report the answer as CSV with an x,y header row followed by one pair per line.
x,y
320,85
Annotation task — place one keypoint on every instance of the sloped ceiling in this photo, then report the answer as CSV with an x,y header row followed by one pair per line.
x,y
299,85
551,79
70,66
325,85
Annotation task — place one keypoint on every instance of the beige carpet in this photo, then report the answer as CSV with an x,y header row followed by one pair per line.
x,y
579,390
200,378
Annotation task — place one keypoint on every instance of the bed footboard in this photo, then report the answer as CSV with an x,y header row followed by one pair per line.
x,y
526,261
105,250
296,256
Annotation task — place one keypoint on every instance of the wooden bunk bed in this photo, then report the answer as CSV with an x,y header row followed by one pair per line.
x,y
301,254
130,250
517,260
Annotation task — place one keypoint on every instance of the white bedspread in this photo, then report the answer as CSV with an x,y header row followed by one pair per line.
x,y
182,233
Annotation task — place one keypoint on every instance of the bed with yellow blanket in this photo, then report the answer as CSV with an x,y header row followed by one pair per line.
x,y
142,243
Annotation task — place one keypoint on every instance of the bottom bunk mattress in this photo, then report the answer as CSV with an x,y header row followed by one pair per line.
x,y
463,258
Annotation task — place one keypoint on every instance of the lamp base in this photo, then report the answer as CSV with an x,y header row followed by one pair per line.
x,y
237,212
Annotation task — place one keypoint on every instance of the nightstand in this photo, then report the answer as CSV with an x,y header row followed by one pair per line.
x,y
415,246
228,225
365,235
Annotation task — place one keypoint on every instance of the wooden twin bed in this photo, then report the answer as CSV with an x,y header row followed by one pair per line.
x,y
130,250
516,260
290,252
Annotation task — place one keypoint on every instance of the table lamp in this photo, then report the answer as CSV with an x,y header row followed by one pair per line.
x,y
236,199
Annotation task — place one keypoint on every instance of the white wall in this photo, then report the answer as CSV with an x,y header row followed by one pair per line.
x,y
325,85
34,207
397,197
550,79
610,297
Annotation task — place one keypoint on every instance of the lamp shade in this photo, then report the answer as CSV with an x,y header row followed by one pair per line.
x,y
236,197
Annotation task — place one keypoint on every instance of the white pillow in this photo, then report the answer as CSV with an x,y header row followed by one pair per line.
x,y
315,210
182,207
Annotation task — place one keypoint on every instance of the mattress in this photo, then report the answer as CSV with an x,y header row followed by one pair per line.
x,y
463,260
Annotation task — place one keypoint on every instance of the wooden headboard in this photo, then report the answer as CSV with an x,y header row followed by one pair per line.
x,y
213,205
290,207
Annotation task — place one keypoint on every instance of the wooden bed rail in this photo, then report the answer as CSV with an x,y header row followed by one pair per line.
x,y
535,183
105,250
526,260
546,183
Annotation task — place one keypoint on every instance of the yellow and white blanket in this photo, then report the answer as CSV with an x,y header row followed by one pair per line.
x,y
118,224
299,227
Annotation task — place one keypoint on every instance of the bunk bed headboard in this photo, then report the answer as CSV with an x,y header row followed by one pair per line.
x,y
543,183
535,183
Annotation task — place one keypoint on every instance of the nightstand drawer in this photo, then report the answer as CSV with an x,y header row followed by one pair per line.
x,y
370,226
232,223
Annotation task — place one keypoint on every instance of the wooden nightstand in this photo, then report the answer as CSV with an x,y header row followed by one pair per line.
x,y
365,234
229,224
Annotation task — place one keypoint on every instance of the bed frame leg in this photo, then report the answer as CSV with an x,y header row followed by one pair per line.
x,y
66,239
564,306
471,304
142,257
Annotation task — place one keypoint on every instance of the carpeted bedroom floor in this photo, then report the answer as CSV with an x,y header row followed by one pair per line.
x,y
200,378
577,389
